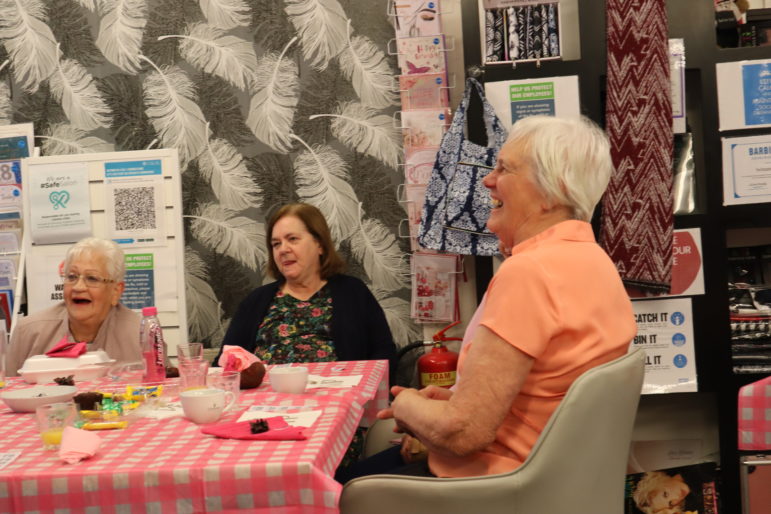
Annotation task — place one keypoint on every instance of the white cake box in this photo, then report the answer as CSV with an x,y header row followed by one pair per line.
x,y
41,369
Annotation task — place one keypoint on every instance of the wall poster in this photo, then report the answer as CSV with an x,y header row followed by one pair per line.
x,y
665,332
746,170
551,96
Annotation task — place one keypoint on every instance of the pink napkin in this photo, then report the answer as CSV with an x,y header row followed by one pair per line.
x,y
278,430
235,358
67,348
78,444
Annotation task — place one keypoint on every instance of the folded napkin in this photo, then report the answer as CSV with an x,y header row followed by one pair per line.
x,y
78,444
278,430
67,348
235,358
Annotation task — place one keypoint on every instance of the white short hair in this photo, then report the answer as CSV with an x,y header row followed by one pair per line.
x,y
112,253
570,158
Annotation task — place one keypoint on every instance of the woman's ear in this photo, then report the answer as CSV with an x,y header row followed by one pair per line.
x,y
117,293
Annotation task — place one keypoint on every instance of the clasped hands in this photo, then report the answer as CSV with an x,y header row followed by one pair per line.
x,y
412,449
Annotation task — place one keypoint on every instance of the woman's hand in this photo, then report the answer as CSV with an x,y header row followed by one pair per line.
x,y
431,392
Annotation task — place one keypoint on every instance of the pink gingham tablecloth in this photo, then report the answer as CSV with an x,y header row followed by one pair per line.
x,y
170,466
755,415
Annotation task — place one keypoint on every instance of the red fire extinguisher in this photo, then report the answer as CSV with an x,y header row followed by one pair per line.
x,y
438,367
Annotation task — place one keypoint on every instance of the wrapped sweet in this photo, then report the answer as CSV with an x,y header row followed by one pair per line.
x,y
235,358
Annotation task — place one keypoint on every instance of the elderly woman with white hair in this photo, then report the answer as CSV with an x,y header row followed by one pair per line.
x,y
91,312
555,308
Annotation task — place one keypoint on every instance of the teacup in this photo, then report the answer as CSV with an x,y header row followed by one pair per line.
x,y
288,379
205,405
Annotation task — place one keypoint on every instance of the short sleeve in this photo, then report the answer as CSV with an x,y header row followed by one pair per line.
x,y
521,308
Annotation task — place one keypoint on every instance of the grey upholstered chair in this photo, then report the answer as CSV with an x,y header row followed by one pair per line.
x,y
577,466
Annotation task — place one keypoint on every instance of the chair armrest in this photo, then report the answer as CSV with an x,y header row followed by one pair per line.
x,y
379,436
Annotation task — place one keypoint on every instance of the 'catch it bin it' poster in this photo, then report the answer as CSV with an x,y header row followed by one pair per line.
x,y
665,332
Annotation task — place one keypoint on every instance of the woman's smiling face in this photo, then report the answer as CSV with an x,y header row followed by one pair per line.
x,y
90,305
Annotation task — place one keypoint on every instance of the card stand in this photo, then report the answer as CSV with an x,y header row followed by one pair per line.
x,y
545,43
434,288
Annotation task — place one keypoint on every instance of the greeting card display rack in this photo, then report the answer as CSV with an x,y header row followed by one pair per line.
x,y
421,47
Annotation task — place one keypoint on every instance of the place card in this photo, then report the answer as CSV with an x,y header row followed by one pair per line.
x,y
318,381
304,418
8,457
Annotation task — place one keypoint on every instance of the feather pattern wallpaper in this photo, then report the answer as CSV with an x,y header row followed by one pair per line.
x,y
266,101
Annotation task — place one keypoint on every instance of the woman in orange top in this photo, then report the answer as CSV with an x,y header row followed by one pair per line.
x,y
555,308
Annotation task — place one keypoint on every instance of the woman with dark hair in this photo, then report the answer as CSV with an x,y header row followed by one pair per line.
x,y
312,312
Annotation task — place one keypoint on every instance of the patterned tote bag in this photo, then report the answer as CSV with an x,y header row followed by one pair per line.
x,y
457,204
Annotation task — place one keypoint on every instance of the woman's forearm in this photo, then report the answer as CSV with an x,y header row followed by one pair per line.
x,y
440,424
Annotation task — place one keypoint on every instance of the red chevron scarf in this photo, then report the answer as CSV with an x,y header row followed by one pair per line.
x,y
637,206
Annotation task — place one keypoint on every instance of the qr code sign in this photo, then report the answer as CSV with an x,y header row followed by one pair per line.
x,y
134,208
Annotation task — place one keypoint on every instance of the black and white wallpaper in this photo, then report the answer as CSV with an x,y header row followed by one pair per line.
x,y
267,102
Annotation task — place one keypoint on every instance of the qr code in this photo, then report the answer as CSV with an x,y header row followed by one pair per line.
x,y
135,208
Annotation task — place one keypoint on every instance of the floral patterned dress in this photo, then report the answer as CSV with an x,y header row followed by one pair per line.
x,y
297,330
301,331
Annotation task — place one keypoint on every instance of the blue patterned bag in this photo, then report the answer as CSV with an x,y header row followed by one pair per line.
x,y
457,204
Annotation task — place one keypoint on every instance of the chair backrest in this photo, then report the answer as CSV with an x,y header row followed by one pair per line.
x,y
577,466
582,453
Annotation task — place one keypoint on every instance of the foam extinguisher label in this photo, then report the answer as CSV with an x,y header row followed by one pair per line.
x,y
441,379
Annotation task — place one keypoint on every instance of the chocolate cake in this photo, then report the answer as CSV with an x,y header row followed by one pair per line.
x,y
87,401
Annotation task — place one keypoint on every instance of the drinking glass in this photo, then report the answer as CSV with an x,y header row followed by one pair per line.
x,y
51,420
225,380
192,374
189,351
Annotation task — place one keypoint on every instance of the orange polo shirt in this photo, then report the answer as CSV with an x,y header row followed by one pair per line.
x,y
559,299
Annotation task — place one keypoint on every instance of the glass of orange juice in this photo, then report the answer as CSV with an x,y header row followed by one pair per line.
x,y
51,420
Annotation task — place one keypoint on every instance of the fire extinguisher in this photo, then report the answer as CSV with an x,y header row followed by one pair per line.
x,y
438,367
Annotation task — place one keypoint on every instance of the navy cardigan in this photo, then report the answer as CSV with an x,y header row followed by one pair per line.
x,y
359,327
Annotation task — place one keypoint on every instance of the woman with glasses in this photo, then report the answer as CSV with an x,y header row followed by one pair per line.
x,y
92,275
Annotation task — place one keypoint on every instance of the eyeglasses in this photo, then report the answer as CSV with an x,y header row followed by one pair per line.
x,y
91,281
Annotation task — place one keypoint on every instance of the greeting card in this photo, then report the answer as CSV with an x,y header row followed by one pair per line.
x,y
434,280
413,18
427,91
418,165
418,55
415,196
424,128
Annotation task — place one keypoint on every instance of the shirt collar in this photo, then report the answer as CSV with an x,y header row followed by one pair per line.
x,y
570,230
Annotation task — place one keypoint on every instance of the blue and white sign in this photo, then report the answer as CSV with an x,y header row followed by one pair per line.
x,y
665,331
134,202
744,94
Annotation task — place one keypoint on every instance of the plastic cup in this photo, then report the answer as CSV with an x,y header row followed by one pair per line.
x,y
192,374
225,380
51,420
189,351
